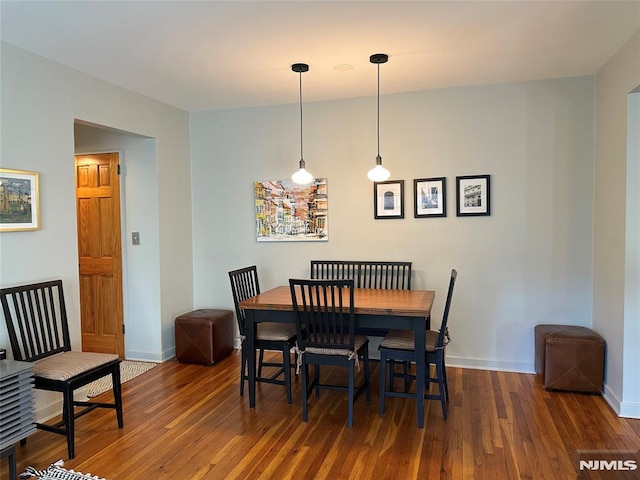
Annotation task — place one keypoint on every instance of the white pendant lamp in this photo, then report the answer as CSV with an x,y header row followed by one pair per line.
x,y
378,173
301,177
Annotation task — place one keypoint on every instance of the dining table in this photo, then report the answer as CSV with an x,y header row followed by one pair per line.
x,y
373,308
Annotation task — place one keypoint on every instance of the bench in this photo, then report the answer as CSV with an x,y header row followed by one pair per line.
x,y
38,328
383,275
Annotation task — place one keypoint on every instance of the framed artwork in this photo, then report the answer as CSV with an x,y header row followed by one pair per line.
x,y
19,200
473,195
430,197
388,199
288,212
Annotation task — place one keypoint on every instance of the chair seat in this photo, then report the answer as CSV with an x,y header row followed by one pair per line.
x,y
359,342
404,340
66,365
276,332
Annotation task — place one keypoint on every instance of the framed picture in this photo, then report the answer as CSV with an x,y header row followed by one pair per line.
x,y
430,197
388,199
473,195
288,212
19,200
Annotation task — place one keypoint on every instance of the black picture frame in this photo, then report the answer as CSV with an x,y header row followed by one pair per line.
x,y
388,199
430,197
473,195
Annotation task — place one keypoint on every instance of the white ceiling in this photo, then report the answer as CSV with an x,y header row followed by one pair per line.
x,y
202,55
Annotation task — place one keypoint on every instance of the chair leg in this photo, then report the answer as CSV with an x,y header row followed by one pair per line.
x,y
351,393
305,379
407,380
286,358
365,361
68,416
316,372
392,373
444,376
117,394
261,359
439,374
383,374
243,369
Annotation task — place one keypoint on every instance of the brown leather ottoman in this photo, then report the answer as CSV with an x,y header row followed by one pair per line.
x,y
204,336
569,358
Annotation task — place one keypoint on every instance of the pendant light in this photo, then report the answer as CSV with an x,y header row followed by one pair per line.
x,y
378,173
301,177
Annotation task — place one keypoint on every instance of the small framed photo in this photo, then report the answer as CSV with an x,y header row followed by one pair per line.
x,y
430,197
473,195
388,199
19,200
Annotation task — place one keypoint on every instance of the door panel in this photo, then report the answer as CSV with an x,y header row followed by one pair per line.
x,y
100,253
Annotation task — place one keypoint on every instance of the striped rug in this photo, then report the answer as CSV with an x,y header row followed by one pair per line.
x,y
128,370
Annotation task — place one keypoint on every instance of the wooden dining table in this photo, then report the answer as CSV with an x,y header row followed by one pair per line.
x,y
373,308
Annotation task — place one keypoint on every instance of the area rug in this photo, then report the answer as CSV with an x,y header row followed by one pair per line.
x,y
56,472
128,370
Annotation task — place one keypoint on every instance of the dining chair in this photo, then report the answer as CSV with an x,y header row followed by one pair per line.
x,y
269,335
400,345
325,325
38,328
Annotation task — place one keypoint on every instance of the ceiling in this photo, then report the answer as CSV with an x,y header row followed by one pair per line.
x,y
203,55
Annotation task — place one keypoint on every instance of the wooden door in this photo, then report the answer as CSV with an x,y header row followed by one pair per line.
x,y
100,253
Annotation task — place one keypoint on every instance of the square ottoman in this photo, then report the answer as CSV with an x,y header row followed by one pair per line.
x,y
569,358
204,336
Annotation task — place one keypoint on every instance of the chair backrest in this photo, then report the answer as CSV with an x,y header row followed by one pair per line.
x,y
244,284
324,313
36,320
383,275
444,332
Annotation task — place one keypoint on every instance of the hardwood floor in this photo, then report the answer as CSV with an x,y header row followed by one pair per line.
x,y
189,422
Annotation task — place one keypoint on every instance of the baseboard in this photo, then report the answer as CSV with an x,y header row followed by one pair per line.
x,y
148,356
500,366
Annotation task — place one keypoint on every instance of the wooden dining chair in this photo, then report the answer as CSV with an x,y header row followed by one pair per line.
x,y
325,325
269,336
400,345
38,328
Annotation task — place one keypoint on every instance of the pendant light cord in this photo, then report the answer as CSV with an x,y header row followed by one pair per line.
x,y
378,110
301,156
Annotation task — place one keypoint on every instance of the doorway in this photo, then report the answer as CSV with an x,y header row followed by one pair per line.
x,y
100,252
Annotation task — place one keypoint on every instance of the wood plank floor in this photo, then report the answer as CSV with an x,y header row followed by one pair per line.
x,y
189,422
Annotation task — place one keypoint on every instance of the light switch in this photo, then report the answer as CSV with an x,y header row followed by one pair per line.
x,y
135,238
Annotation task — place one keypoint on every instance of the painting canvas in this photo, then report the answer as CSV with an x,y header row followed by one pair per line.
x,y
286,211
18,200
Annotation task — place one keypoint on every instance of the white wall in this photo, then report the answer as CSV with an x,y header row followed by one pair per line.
x,y
528,263
141,268
40,100
631,356
614,82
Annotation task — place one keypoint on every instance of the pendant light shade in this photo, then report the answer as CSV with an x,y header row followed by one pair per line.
x,y
378,173
301,177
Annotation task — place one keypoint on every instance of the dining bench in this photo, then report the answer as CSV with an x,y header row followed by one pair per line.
x,y
365,274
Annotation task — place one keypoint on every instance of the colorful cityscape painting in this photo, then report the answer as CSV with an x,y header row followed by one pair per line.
x,y
286,211
18,200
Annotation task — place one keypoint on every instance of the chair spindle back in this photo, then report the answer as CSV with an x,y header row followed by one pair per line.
x,y
244,284
36,320
324,313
